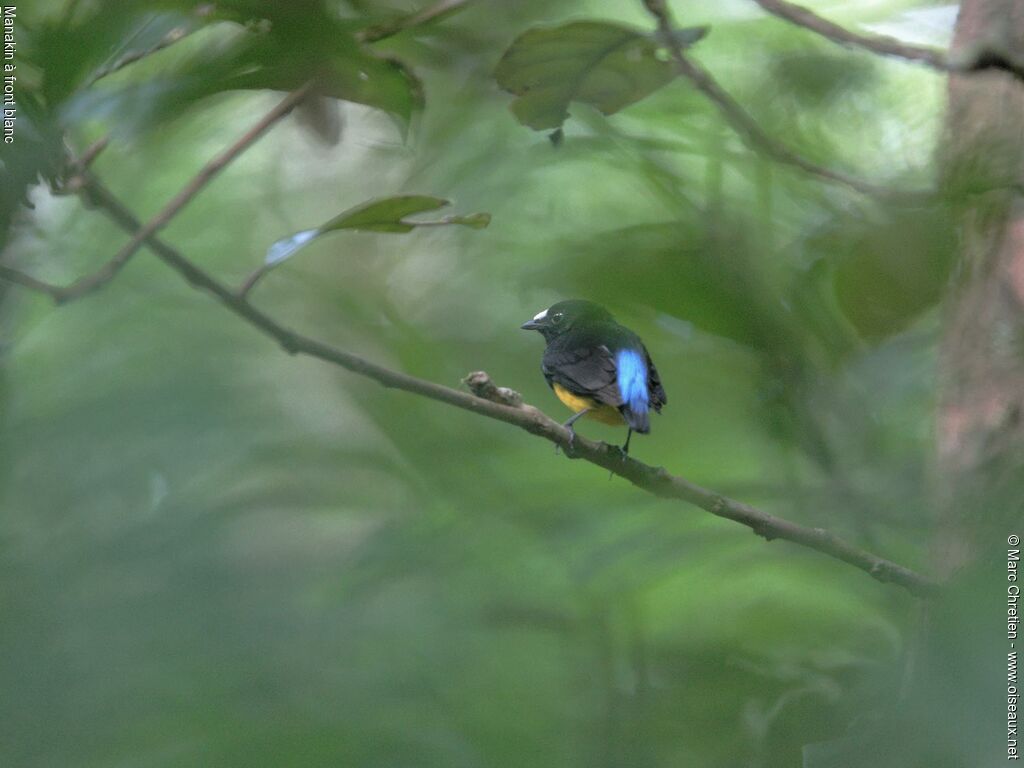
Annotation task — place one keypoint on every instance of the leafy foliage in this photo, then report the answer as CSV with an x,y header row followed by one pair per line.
x,y
217,554
607,66
389,215
893,267
386,215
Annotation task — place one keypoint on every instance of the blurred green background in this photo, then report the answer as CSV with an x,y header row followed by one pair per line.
x,y
214,554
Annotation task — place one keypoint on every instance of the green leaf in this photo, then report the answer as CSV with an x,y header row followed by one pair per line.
x,y
683,269
891,267
687,36
607,66
300,41
384,215
284,248
37,154
231,57
473,221
350,74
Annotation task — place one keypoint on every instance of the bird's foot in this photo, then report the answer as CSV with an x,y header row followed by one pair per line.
x,y
623,452
570,448
572,431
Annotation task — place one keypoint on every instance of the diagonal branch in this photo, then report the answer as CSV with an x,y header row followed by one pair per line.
x,y
880,44
172,36
981,59
416,19
96,280
107,273
18,277
503,405
748,129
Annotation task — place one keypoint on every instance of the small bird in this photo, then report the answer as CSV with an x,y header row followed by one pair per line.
x,y
597,367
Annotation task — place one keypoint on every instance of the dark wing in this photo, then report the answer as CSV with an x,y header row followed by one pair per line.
x,y
655,390
583,370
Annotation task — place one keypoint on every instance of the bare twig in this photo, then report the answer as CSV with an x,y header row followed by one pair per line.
x,y
747,127
981,59
96,280
92,282
71,179
480,384
416,19
18,277
503,405
172,36
250,282
88,157
881,44
209,171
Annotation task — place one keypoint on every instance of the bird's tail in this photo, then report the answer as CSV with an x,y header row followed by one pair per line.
x,y
632,380
638,420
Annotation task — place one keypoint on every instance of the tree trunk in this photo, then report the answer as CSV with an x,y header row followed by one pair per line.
x,y
981,368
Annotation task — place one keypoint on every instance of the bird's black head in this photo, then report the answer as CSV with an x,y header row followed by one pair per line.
x,y
560,317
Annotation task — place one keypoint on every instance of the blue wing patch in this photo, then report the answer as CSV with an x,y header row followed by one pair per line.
x,y
631,373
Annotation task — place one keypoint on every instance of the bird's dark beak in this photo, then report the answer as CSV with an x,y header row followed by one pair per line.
x,y
538,321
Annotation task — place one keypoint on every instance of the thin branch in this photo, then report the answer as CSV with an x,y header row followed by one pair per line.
x,y
71,178
978,60
748,129
96,280
475,220
250,282
880,44
70,185
18,277
415,19
88,157
172,36
184,197
504,405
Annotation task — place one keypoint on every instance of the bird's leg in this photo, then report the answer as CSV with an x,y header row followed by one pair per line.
x,y
625,448
572,431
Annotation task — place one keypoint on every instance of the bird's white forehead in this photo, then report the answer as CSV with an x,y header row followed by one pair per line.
x,y
541,315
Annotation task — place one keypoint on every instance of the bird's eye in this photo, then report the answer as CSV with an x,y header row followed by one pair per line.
x,y
557,317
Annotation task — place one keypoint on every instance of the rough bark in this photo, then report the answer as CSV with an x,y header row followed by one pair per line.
x,y
980,429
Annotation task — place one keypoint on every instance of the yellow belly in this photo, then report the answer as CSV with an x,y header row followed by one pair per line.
x,y
598,411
